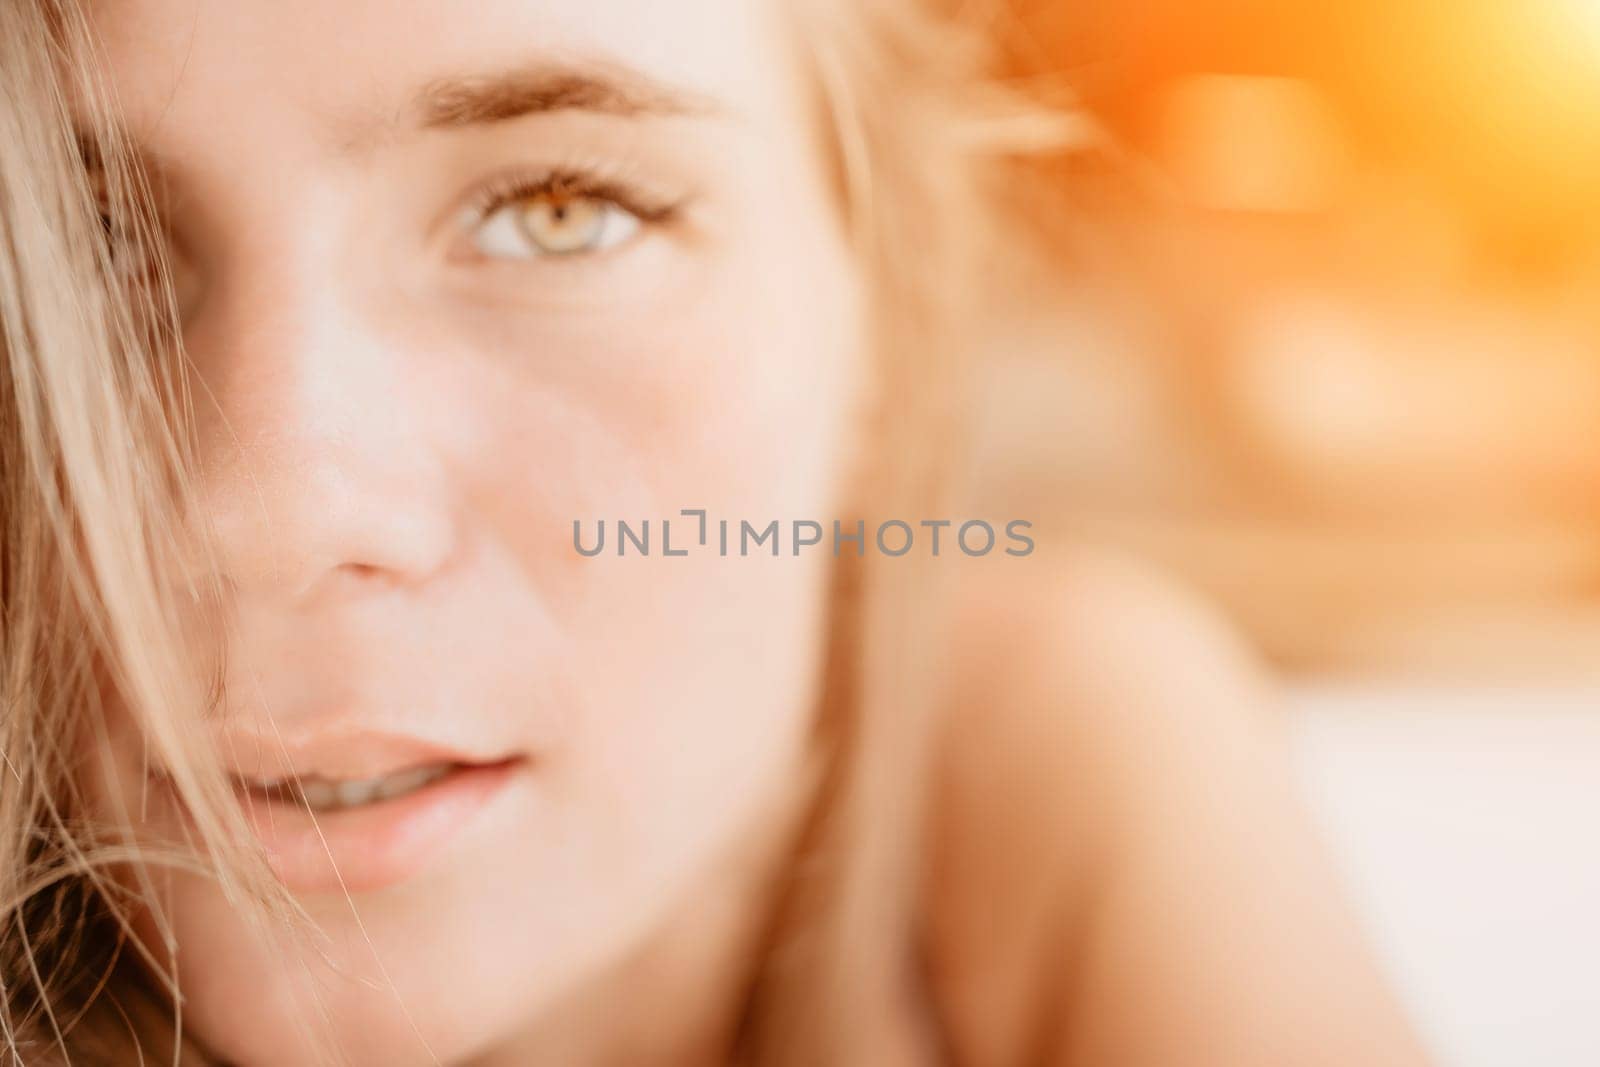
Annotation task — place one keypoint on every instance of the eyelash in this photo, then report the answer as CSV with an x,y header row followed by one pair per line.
x,y
573,182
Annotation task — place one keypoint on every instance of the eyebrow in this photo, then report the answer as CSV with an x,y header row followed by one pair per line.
x,y
541,87
454,102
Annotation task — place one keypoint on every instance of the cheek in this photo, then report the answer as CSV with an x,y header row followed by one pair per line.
x,y
699,673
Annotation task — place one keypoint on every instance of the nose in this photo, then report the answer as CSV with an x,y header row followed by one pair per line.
x,y
319,475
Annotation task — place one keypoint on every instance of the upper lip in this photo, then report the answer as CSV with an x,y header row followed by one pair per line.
x,y
338,755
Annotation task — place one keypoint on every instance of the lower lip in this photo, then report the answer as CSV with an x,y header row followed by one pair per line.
x,y
375,845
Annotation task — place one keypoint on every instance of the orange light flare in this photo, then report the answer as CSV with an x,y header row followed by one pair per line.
x,y
1585,15
1518,97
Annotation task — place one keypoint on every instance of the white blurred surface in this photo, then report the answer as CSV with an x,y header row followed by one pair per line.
x,y
1467,823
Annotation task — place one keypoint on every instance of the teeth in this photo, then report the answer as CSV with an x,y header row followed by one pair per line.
x,y
320,794
352,794
397,785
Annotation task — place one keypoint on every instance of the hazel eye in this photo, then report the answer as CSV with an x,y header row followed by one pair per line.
x,y
554,223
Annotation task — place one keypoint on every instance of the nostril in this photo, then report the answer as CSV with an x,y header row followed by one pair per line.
x,y
334,505
355,575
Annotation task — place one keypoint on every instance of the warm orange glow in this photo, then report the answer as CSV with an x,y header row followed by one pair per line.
x,y
1255,144
1586,17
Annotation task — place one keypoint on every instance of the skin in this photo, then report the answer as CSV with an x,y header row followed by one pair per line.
x,y
398,432
400,422
1121,870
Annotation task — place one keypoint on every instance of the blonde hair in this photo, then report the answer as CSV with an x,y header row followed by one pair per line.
x,y
92,480
94,456
930,148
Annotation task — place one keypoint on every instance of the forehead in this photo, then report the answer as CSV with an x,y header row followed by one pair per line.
x,y
188,70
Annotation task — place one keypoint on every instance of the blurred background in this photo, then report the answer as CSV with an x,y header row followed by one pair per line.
x,y
1328,349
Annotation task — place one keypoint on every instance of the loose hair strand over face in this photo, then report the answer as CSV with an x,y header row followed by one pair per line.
x,y
95,566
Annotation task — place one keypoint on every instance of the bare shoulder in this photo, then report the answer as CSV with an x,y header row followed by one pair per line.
x,y
1066,678
1089,627
1065,675
1112,817
1084,667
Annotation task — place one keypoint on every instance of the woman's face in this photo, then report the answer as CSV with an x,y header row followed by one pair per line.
x,y
453,277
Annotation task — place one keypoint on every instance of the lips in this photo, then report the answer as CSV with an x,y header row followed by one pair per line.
x,y
324,794
355,812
